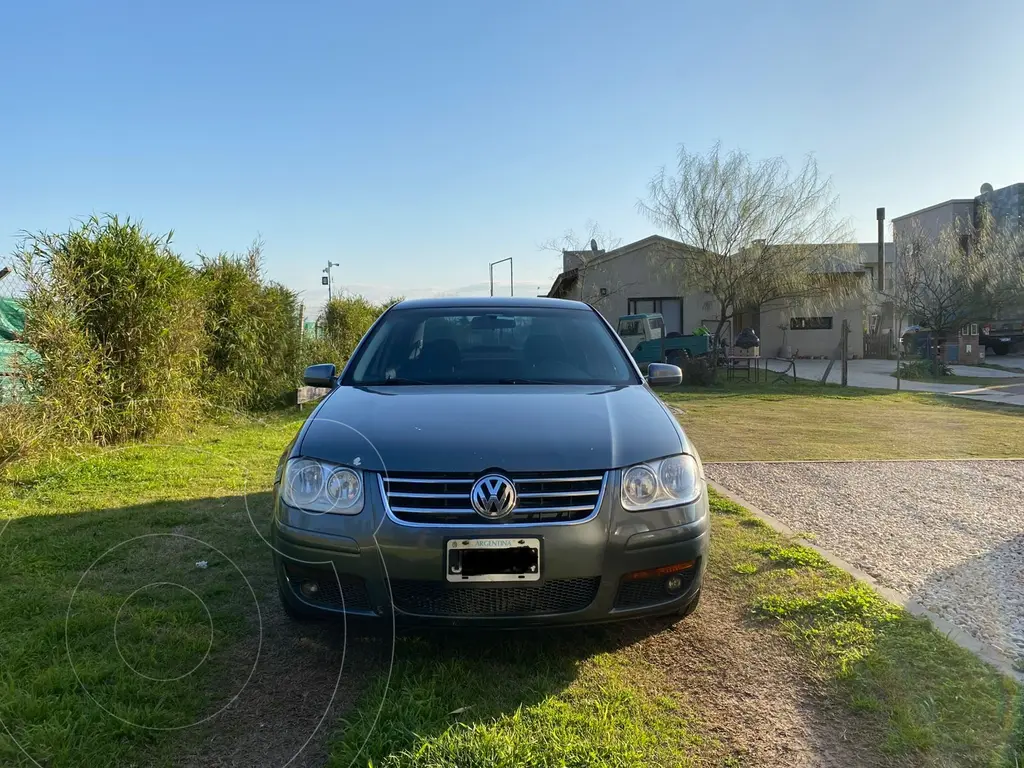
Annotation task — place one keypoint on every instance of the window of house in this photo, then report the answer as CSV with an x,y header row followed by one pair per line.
x,y
810,324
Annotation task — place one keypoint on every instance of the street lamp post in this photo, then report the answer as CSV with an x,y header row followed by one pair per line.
x,y
511,279
327,280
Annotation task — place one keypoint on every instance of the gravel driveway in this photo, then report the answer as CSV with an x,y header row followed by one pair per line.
x,y
948,533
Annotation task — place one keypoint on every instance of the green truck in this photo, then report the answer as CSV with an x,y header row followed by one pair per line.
x,y
645,337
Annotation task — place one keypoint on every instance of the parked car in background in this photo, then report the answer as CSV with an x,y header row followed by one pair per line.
x,y
1002,336
645,338
490,462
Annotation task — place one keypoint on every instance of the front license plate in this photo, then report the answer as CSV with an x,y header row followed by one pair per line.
x,y
492,560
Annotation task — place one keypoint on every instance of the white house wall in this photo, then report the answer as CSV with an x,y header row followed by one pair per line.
x,y
812,343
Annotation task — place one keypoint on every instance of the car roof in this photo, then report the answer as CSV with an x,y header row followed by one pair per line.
x,y
497,302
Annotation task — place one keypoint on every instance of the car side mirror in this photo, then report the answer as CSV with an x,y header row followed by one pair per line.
x,y
322,375
664,375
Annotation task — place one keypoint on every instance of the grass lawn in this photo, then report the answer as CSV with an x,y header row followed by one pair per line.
x,y
106,613
81,539
787,421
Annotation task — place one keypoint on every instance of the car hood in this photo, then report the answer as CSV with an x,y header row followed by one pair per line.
x,y
526,428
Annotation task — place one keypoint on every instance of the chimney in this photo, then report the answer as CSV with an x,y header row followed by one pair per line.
x,y
880,215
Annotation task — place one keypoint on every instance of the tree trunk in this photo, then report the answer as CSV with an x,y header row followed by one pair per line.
x,y
716,346
937,356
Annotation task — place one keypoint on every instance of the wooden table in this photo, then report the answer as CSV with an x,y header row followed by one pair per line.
x,y
732,363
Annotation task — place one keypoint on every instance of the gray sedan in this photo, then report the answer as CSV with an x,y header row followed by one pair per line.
x,y
490,462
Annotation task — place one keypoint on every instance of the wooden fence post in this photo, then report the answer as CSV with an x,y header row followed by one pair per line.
x,y
844,349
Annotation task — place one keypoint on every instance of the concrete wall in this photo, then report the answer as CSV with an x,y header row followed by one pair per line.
x,y
812,343
957,214
1006,206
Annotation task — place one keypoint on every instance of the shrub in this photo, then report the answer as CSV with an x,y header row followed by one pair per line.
x,y
253,357
697,372
343,322
117,321
924,369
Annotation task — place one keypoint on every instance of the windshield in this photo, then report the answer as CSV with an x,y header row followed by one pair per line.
x,y
517,345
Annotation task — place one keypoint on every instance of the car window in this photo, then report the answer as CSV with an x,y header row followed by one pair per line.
x,y
631,328
445,345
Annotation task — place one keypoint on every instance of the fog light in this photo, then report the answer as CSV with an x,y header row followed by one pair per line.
x,y
309,588
673,584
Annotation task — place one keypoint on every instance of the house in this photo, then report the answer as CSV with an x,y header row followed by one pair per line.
x,y
637,278
1006,206
962,217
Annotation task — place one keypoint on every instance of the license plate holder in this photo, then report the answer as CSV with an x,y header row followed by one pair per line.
x,y
493,559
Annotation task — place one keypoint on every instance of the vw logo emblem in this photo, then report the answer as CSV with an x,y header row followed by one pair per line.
x,y
493,497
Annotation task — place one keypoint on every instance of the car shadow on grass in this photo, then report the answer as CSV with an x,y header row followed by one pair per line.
x,y
152,634
540,696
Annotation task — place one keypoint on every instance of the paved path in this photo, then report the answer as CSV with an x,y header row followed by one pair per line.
x,y
877,374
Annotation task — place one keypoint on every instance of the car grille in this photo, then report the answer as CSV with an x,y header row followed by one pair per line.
x,y
435,598
636,593
544,497
340,592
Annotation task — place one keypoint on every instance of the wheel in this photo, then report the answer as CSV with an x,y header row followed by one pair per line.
x,y
677,356
1001,350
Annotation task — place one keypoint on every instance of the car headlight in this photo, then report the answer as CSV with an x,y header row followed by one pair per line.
x,y
668,482
316,486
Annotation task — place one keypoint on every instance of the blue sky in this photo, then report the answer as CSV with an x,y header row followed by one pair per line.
x,y
415,142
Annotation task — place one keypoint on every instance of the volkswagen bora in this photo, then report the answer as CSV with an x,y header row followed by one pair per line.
x,y
492,462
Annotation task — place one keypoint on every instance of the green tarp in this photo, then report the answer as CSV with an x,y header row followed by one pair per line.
x,y
12,325
12,319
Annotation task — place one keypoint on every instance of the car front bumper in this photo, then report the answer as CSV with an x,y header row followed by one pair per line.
x,y
372,565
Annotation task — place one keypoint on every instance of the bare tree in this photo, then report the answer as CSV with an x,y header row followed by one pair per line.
x,y
966,273
755,233
586,254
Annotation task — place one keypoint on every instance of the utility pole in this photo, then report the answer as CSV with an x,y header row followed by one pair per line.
x,y
327,280
880,215
511,279
897,309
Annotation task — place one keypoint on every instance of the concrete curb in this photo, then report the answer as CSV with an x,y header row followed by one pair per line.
x,y
982,650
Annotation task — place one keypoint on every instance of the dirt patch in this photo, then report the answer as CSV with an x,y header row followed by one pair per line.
x,y
290,706
755,696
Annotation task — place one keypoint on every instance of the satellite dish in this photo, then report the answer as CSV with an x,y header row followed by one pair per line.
x,y
986,187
